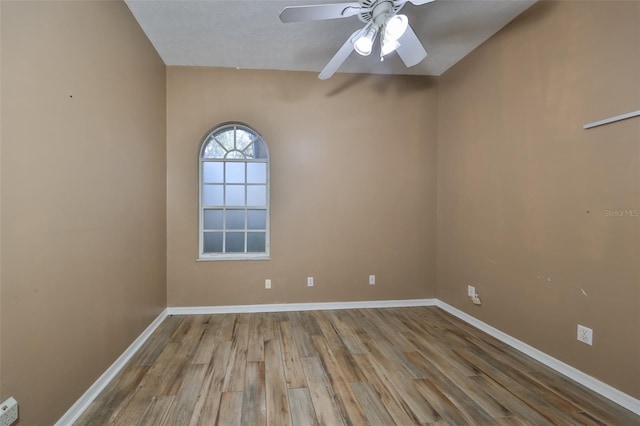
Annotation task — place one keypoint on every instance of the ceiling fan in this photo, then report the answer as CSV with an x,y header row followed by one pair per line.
x,y
380,17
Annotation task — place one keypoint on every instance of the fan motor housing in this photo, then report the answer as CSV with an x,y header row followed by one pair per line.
x,y
370,5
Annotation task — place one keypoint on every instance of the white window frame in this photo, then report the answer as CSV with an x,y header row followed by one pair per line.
x,y
210,256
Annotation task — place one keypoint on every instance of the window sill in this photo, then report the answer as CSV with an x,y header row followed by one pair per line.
x,y
217,258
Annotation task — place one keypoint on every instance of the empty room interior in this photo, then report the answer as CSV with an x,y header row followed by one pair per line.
x,y
385,195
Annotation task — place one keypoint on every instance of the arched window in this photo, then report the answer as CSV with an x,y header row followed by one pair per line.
x,y
234,194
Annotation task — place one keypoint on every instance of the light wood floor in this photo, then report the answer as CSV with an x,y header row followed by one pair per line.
x,y
399,366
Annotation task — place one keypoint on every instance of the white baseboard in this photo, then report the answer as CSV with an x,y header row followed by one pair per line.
x,y
592,383
87,398
291,307
609,392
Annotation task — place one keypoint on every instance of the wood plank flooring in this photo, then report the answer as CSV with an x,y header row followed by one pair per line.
x,y
400,366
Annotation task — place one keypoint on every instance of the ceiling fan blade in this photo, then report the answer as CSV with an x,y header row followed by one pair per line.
x,y
318,12
338,58
419,2
410,50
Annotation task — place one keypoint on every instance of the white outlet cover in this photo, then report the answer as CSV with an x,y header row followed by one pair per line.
x,y
372,279
8,412
309,281
471,291
585,335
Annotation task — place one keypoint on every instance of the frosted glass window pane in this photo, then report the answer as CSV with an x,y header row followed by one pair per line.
x,y
212,195
235,173
235,195
212,219
213,172
235,219
235,242
257,172
256,195
212,242
256,242
257,219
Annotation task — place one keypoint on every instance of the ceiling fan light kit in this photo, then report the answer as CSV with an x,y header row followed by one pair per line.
x,y
395,26
363,44
381,17
387,47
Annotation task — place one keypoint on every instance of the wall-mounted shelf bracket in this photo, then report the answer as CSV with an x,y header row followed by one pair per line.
x,y
612,119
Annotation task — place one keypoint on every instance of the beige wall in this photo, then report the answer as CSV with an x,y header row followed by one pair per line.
x,y
83,197
523,190
353,171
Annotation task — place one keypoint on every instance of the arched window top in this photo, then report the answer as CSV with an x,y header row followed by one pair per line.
x,y
234,141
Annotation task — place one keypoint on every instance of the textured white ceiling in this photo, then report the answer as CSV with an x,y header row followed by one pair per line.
x,y
249,34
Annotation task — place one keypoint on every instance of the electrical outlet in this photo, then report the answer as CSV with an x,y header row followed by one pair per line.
x,y
585,335
471,291
309,281
267,284
372,279
8,412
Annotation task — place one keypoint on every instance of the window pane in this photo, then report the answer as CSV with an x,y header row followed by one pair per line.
x,y
257,172
256,242
235,195
243,139
259,149
212,219
235,242
213,150
212,242
226,139
235,219
212,172
256,195
235,155
257,219
212,195
249,152
235,172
